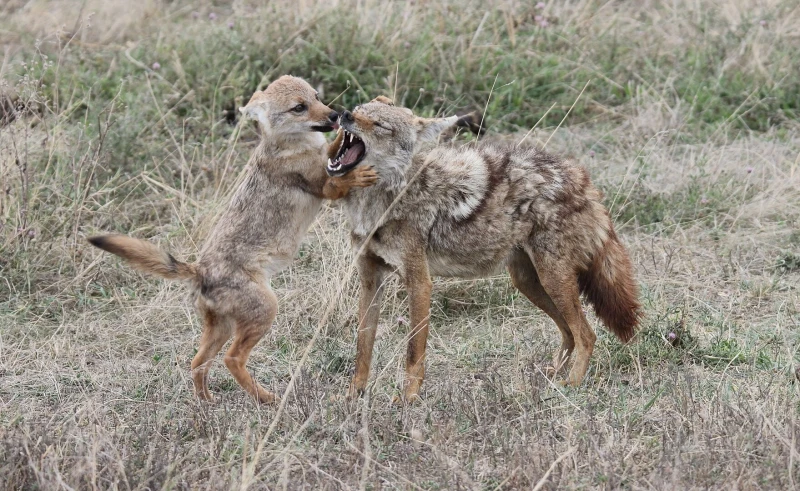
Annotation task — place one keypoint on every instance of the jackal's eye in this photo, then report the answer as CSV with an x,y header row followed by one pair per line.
x,y
382,126
299,108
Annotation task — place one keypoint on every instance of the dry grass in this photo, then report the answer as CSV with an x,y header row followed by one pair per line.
x,y
704,180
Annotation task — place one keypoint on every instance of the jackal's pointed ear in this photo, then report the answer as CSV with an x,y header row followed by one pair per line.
x,y
257,111
430,129
383,100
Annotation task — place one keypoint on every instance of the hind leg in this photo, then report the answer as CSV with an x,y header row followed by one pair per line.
x,y
558,278
216,331
253,319
526,280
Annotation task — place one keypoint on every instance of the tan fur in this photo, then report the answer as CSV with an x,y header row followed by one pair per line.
x,y
259,232
469,211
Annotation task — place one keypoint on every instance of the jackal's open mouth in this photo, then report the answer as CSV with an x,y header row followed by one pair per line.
x,y
351,152
323,128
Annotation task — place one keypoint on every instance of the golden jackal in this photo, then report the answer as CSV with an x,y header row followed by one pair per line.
x,y
259,232
468,211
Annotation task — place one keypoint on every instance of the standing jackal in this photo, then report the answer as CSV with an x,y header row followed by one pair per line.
x,y
468,211
259,232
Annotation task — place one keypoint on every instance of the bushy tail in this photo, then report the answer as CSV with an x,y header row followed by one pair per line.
x,y
609,285
144,256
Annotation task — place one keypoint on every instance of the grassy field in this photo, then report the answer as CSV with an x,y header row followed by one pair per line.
x,y
120,116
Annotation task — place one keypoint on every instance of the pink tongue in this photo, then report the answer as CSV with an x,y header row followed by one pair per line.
x,y
351,154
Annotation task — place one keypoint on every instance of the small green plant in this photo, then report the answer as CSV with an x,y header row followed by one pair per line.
x,y
722,353
788,262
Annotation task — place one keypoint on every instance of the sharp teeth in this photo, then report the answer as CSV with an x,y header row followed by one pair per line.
x,y
351,138
330,164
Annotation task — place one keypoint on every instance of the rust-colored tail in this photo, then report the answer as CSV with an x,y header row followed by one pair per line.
x,y
144,256
609,285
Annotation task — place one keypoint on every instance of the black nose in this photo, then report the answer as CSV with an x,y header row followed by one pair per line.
x,y
333,116
347,116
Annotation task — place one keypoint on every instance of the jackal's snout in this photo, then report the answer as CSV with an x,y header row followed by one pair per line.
x,y
333,117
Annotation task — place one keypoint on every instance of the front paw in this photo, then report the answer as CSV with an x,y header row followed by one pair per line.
x,y
364,177
410,399
205,396
266,397
353,394
355,390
